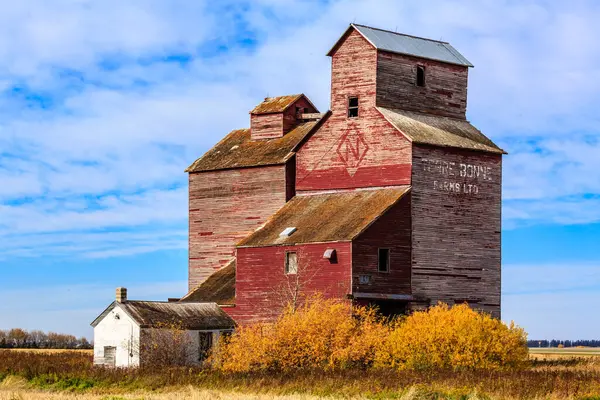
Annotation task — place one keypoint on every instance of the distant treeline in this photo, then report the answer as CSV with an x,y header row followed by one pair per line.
x,y
21,339
563,343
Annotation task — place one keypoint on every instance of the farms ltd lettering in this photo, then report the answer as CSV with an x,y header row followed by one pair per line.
x,y
449,169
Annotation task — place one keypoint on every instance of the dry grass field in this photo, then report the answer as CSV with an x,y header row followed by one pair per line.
x,y
52,351
17,389
555,353
558,375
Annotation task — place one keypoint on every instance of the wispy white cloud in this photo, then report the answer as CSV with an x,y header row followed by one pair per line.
x,y
124,119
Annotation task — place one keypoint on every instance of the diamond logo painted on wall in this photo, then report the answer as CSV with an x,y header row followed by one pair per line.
x,y
352,150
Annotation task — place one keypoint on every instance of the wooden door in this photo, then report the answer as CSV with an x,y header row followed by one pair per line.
x,y
110,356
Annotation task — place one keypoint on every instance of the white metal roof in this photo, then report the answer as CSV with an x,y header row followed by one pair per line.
x,y
410,45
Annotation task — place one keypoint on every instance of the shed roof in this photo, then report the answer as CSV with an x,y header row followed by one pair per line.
x,y
331,217
218,288
400,43
188,316
439,131
277,104
237,150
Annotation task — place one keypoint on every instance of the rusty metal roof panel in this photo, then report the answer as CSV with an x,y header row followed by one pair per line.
x,y
189,316
237,150
331,217
218,288
439,131
410,45
276,104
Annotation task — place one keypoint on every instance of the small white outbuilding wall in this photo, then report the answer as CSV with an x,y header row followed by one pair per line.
x,y
120,331
117,340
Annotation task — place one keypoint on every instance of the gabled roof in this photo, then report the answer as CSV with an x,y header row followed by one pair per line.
x,y
331,217
237,150
278,104
157,314
218,288
439,131
405,44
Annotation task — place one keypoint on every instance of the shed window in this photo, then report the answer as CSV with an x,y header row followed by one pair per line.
x,y
420,75
291,263
353,107
383,260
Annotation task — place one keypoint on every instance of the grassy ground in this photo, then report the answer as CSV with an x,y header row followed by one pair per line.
x,y
69,375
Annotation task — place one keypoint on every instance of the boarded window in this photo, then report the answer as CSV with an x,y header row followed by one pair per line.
x,y
205,344
353,107
291,263
110,356
383,260
420,76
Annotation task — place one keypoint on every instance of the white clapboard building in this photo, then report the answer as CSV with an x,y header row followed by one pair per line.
x,y
129,333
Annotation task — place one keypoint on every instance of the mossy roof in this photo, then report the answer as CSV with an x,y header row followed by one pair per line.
x,y
237,150
158,314
276,104
439,131
218,288
331,217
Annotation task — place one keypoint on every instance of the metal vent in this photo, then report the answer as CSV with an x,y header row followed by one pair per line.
x,y
287,232
329,254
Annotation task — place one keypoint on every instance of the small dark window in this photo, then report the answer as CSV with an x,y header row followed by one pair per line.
x,y
353,107
420,76
383,260
291,263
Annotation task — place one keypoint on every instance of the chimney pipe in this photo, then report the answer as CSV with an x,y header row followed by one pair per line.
x,y
121,295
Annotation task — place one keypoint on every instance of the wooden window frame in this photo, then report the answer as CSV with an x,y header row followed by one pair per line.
x,y
349,108
389,259
286,266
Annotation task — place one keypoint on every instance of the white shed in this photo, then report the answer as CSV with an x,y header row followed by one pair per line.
x,y
129,333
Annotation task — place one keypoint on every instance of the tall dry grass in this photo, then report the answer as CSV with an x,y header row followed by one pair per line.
x,y
59,373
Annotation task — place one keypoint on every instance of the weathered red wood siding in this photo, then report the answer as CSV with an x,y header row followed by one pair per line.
x,y
260,278
444,93
354,152
266,126
392,231
456,202
226,206
290,116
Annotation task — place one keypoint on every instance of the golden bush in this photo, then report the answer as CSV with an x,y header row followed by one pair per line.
x,y
321,334
331,335
455,338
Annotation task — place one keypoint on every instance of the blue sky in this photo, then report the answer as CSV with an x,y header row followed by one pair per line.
x,y
104,103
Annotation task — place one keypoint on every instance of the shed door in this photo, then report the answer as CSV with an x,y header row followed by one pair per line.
x,y
205,344
110,356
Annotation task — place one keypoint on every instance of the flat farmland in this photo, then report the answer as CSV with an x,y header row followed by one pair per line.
x,y
553,352
52,351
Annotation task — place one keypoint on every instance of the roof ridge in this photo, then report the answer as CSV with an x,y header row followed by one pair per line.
x,y
398,33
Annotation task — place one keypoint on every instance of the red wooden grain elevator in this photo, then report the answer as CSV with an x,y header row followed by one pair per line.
x,y
391,198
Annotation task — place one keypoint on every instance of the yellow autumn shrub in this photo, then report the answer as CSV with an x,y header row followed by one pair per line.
x,y
331,335
455,338
321,334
